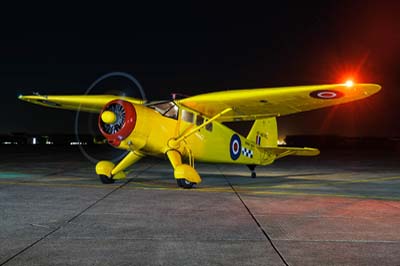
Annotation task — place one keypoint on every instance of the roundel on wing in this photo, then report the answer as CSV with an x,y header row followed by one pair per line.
x,y
235,147
327,94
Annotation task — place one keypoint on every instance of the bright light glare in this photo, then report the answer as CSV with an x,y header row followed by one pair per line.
x,y
349,83
281,142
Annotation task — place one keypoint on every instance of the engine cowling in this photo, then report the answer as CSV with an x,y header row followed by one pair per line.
x,y
117,120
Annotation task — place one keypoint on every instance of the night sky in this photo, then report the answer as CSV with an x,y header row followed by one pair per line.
x,y
200,49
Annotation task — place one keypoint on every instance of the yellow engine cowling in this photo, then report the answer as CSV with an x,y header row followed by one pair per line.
x,y
128,126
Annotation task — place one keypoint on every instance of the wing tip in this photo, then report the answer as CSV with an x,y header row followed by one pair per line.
x,y
377,88
370,88
27,98
362,89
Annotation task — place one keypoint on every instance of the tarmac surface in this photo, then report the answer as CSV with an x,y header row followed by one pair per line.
x,y
340,208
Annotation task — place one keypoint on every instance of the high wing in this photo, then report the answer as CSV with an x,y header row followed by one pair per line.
x,y
251,104
88,103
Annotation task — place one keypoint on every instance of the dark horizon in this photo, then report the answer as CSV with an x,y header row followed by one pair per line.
x,y
291,44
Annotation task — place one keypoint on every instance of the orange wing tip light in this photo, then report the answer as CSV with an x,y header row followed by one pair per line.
x,y
349,83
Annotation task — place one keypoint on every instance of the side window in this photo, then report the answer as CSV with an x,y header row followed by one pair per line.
x,y
187,116
199,120
209,127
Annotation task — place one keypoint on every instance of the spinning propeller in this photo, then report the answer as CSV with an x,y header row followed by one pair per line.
x,y
117,118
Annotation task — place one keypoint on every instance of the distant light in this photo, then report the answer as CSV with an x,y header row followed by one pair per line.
x,y
34,141
9,143
349,83
73,143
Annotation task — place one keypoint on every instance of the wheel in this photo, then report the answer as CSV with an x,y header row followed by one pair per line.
x,y
106,180
252,168
183,183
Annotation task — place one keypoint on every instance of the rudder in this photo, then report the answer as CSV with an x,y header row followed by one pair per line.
x,y
264,132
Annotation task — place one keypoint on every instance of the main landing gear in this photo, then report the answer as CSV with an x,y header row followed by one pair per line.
x,y
252,168
108,172
186,176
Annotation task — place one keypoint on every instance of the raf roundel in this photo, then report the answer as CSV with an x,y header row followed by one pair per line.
x,y
326,94
235,147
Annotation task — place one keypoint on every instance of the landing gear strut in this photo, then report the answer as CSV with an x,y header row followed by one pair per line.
x,y
186,176
252,168
108,172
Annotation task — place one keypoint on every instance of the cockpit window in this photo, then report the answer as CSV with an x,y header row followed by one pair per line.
x,y
168,109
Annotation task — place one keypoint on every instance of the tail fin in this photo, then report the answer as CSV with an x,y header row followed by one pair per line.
x,y
264,132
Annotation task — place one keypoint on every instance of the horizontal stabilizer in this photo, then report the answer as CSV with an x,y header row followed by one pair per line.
x,y
294,151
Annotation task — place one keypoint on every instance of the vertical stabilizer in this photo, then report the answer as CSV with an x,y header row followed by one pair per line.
x,y
264,132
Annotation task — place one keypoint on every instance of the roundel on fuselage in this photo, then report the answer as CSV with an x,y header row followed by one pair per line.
x,y
235,147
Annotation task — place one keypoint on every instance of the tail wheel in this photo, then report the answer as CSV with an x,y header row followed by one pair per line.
x,y
183,183
106,180
252,168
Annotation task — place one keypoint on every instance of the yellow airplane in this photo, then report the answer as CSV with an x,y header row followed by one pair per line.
x,y
190,129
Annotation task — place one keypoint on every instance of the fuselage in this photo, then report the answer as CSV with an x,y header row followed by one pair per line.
x,y
156,126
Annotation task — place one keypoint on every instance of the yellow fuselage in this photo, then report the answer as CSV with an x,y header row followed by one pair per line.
x,y
213,143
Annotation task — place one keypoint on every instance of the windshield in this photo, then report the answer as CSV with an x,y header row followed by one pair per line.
x,y
168,109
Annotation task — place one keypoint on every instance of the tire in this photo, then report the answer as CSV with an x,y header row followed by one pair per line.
x,y
183,183
106,180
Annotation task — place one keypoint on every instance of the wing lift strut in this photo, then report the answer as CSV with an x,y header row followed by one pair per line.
x,y
185,175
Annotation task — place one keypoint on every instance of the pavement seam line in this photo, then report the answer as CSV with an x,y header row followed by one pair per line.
x,y
256,221
73,218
